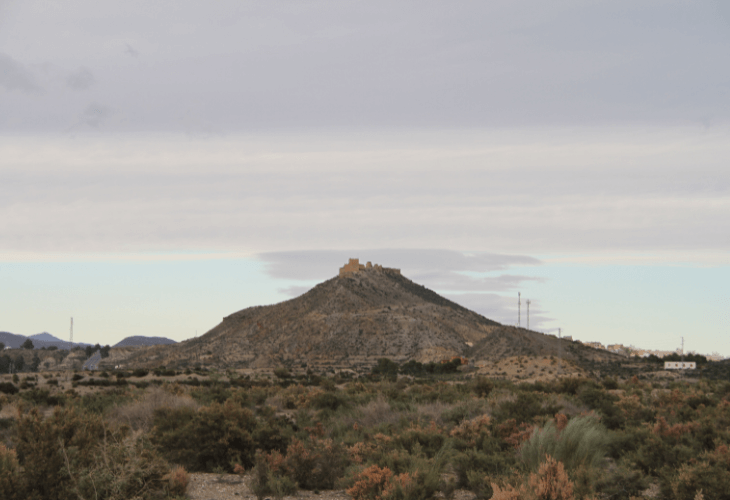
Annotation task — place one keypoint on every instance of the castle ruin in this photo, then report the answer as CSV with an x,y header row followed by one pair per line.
x,y
354,266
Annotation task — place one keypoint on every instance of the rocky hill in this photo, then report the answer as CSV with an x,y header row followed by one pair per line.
x,y
350,321
139,340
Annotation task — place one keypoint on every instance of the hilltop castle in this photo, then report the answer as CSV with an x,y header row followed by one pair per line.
x,y
354,266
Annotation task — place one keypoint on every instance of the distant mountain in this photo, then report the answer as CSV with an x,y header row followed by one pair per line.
x,y
139,340
40,340
44,337
12,340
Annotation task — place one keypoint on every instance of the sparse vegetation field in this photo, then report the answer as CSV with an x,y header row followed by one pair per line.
x,y
407,431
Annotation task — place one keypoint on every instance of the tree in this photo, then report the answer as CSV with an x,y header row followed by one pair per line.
x,y
28,344
35,363
105,351
2,346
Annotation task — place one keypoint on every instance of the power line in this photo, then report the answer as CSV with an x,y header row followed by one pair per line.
x,y
528,313
519,305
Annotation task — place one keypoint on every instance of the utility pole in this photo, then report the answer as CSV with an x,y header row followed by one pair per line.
x,y
682,353
519,305
560,360
71,335
528,314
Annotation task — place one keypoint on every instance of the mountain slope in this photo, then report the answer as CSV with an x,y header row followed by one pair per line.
x,y
351,321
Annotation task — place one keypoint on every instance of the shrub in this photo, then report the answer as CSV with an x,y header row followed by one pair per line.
x,y
266,482
474,467
583,441
221,433
139,414
373,483
551,482
128,467
328,401
315,464
11,486
710,475
482,386
177,481
51,446
8,388
524,409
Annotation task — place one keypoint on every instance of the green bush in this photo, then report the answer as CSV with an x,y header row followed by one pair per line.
x,y
583,441
213,437
8,388
525,408
267,482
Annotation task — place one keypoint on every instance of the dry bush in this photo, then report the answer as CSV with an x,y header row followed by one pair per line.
x,y
139,414
433,412
371,484
470,430
551,482
376,412
10,478
177,481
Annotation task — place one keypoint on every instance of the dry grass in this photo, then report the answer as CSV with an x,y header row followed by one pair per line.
x,y
139,414
432,412
376,412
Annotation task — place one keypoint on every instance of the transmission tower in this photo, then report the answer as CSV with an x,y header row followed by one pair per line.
x,y
528,313
519,305
71,335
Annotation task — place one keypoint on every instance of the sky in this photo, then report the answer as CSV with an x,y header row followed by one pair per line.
x,y
165,164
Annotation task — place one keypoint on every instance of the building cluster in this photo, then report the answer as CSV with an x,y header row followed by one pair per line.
x,y
354,266
644,353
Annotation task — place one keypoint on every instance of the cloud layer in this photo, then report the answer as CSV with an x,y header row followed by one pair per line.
x,y
234,66
573,192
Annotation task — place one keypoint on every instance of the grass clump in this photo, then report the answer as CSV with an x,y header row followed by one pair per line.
x,y
582,441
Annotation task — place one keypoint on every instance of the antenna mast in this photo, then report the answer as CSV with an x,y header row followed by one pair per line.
x,y
519,305
528,313
71,335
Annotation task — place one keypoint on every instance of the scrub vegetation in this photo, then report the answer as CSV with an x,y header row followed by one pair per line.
x,y
383,436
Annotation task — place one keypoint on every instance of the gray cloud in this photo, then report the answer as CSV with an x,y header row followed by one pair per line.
x,y
81,79
242,194
15,76
404,65
93,116
131,51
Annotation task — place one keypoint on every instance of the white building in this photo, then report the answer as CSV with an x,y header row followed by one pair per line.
x,y
679,365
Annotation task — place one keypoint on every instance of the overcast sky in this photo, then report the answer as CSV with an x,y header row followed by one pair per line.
x,y
484,147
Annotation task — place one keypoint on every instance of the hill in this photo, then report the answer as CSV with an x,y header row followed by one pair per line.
x,y
40,340
44,337
350,321
139,340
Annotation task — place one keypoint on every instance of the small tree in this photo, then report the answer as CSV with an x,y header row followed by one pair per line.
x,y
28,344
2,346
